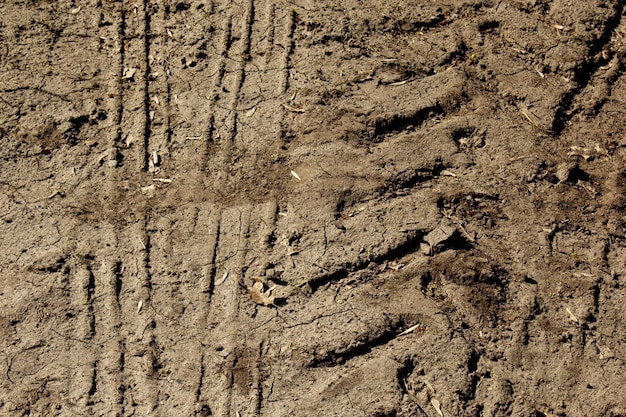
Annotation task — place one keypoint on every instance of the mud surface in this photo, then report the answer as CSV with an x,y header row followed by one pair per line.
x,y
312,208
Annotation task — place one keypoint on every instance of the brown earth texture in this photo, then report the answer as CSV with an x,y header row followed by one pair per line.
x,y
313,208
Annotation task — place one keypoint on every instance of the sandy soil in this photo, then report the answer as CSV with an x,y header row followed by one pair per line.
x,y
312,208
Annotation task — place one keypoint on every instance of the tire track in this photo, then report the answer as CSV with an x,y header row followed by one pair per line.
x,y
197,91
264,85
189,62
97,382
257,116
182,276
241,57
211,217
219,365
124,375
214,133
135,117
288,49
108,381
159,92
82,377
138,324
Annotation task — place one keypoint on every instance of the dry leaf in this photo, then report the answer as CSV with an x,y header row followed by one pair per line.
x,y
261,294
250,112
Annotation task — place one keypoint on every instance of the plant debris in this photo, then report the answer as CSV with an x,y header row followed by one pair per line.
x,y
261,293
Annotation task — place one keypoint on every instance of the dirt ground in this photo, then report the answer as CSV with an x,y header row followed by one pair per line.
x,y
313,208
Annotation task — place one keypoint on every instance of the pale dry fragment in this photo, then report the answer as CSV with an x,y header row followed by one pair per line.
x,y
143,245
527,116
169,33
139,305
223,279
163,180
112,163
588,153
250,112
396,266
280,213
296,176
448,173
411,329
152,115
600,150
155,158
593,193
75,10
293,109
129,73
571,315
399,83
148,190
56,193
557,26
579,151
104,156
156,100
564,171
437,406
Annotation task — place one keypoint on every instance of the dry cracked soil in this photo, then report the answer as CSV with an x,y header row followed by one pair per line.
x,y
313,208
